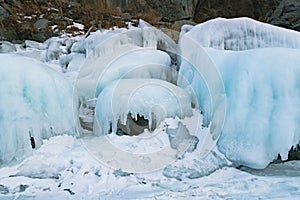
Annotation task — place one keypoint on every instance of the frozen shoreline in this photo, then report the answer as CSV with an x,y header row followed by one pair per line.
x,y
62,168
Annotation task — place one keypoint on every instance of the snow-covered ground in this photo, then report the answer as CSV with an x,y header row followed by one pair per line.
x,y
63,169
180,158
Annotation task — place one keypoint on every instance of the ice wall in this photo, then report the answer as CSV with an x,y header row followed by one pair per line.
x,y
262,85
241,34
263,104
35,102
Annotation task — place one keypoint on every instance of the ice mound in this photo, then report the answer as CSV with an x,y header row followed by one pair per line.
x,y
241,34
153,99
140,63
262,85
115,47
36,103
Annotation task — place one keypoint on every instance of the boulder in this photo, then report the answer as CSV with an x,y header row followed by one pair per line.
x,y
41,23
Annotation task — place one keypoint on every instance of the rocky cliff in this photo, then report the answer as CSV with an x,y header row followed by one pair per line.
x,y
40,19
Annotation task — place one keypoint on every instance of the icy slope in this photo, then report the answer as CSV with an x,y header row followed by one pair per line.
x,y
35,102
241,34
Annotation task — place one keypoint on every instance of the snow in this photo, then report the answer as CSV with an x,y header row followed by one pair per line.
x,y
152,98
76,25
79,173
35,102
241,34
7,47
34,45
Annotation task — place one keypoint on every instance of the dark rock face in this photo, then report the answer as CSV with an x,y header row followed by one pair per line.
x,y
294,153
287,14
170,9
34,19
256,9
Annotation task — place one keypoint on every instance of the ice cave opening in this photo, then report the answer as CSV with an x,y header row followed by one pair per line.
x,y
135,126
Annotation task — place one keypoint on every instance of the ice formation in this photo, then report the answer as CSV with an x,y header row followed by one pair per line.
x,y
262,85
139,63
262,92
35,102
72,62
116,44
263,103
57,46
6,47
152,98
241,34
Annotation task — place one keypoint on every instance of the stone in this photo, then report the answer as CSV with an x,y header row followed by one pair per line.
x,y
4,14
287,14
256,9
126,16
181,140
41,23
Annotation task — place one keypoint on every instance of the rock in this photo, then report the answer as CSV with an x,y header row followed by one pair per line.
x,y
4,189
181,140
121,173
41,36
287,15
41,23
10,2
169,15
135,127
3,13
256,9
126,16
172,33
294,153
178,24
